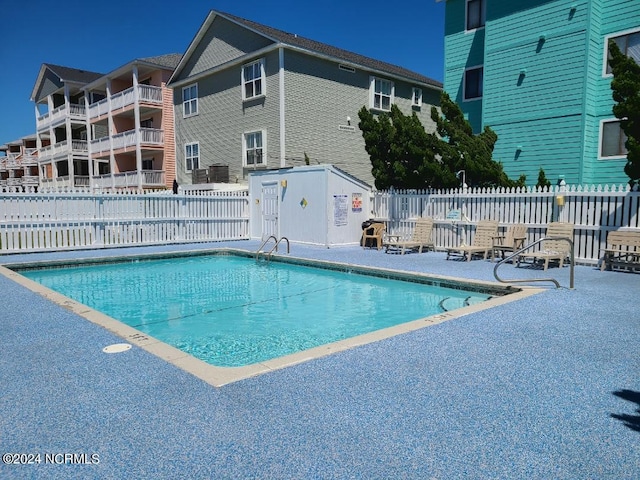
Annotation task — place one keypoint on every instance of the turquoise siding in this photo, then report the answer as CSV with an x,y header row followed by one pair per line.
x,y
544,89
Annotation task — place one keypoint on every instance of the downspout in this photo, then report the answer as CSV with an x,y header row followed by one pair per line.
x,y
281,112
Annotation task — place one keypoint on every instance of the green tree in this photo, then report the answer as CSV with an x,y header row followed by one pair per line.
x,y
542,179
459,149
399,148
626,92
403,155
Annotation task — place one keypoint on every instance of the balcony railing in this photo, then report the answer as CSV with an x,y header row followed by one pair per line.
x,y
146,94
61,148
58,115
149,178
146,136
65,181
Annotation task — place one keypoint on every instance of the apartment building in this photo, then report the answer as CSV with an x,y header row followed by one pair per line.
x,y
251,97
130,120
106,131
19,164
61,125
537,73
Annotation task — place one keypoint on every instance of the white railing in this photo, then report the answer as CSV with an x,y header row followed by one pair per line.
x,y
130,138
595,211
99,108
61,148
75,111
32,222
146,93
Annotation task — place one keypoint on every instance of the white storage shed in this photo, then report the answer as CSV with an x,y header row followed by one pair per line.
x,y
316,204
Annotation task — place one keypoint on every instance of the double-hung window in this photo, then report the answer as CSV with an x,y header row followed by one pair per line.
x,y
473,80
190,100
253,80
476,14
192,156
416,97
254,148
628,44
381,94
612,139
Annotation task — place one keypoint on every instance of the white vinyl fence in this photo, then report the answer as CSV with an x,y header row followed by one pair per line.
x,y
595,211
32,222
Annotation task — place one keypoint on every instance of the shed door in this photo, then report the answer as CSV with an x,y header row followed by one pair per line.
x,y
269,210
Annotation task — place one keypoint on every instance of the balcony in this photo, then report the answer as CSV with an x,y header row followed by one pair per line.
x,y
146,94
77,147
147,137
79,181
58,115
149,179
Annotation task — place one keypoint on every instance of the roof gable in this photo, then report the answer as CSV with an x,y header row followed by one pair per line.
x,y
217,42
55,76
275,36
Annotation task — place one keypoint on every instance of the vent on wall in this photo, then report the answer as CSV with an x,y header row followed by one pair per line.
x,y
346,68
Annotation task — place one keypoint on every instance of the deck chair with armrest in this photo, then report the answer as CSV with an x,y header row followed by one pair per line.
x,y
553,248
420,238
482,243
374,233
511,241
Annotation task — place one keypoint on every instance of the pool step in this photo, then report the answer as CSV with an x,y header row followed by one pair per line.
x,y
451,303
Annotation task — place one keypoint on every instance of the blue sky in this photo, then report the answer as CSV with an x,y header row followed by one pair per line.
x,y
101,36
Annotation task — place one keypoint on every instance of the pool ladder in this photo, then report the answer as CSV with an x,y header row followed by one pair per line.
x,y
274,248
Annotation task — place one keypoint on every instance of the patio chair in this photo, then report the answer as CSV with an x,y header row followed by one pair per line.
x,y
552,249
482,243
374,232
420,238
511,241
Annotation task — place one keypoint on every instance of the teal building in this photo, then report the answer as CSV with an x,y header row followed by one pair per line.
x,y
536,72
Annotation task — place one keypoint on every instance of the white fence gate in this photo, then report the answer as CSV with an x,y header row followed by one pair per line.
x,y
31,222
595,211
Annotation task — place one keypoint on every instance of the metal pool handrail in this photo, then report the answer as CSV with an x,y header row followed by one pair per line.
x,y
275,247
264,243
557,284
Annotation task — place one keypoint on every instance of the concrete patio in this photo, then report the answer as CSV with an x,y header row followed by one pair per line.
x,y
545,387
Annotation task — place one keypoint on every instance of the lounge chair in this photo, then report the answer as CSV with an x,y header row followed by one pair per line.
x,y
374,233
482,243
552,249
511,241
420,238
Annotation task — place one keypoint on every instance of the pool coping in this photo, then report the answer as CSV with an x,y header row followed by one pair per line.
x,y
219,376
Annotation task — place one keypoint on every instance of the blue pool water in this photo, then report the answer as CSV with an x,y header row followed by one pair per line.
x,y
233,311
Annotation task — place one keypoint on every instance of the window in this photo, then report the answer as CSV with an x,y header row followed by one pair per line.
x,y
147,163
190,100
473,80
612,139
381,93
146,123
416,97
628,44
192,156
254,148
253,80
476,14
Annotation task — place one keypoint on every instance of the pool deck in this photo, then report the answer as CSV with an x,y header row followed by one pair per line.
x,y
545,387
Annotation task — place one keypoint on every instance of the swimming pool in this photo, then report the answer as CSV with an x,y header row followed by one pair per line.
x,y
231,311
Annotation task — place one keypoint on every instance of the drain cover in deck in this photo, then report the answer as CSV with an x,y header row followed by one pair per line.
x,y
117,348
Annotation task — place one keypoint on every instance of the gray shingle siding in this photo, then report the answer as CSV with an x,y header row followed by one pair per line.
x,y
319,97
223,117
223,42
